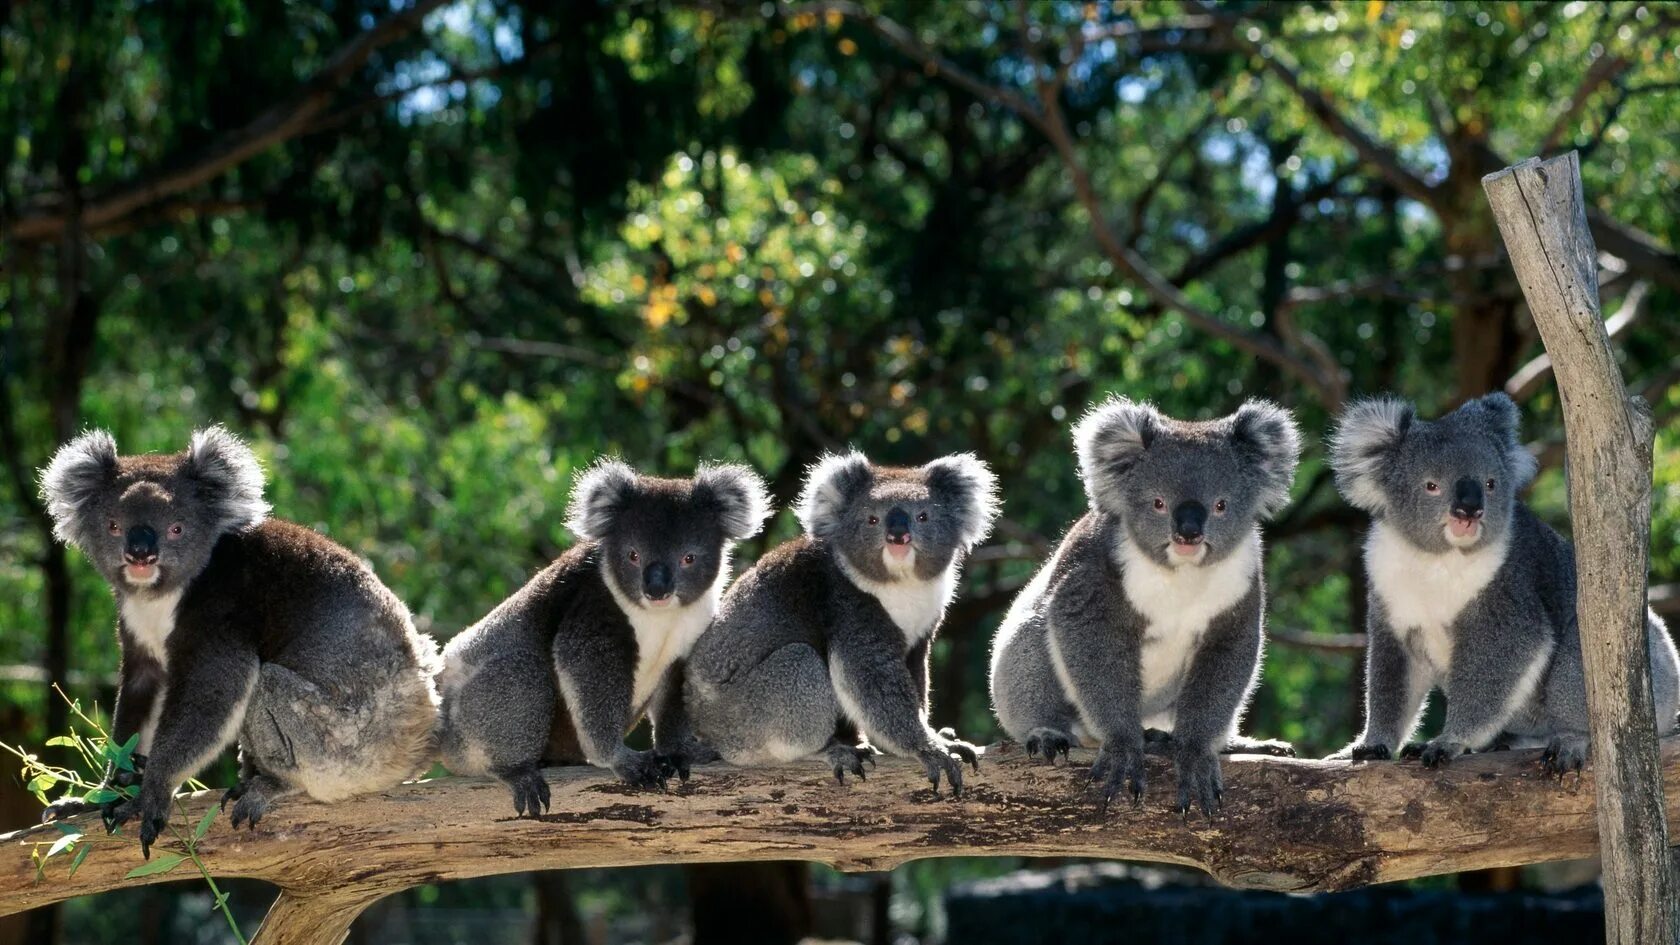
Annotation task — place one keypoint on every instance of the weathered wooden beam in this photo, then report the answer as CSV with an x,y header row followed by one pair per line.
x,y
1288,824
1542,218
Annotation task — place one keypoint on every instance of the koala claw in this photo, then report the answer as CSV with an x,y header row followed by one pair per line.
x,y
1199,780
1435,753
1564,754
642,769
1119,767
943,759
1049,742
529,787
843,758
1370,752
153,814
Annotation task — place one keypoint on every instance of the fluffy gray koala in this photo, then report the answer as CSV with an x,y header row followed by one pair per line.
x,y
1470,592
236,625
829,633
561,671
1150,611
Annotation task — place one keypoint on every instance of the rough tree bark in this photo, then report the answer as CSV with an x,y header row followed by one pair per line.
x,y
1289,825
1542,217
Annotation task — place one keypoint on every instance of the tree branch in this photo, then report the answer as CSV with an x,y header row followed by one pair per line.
x,y
1529,378
1640,250
1288,824
274,126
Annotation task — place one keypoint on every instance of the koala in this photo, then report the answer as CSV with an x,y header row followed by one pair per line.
x,y
1469,591
561,671
1150,611
234,625
822,646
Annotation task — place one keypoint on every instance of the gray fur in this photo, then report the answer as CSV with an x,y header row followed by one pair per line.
x,y
824,642
1487,617
242,627
561,671
1126,627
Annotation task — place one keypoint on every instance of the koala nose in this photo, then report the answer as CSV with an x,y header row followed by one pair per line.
x,y
1467,499
898,527
657,581
141,546
1188,520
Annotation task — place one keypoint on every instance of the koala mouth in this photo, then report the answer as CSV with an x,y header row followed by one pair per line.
x,y
1187,552
1462,532
899,550
659,603
141,575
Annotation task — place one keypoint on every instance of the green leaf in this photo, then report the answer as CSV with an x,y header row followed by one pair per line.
x,y
66,827
204,825
162,864
102,795
65,740
42,781
81,854
63,843
123,756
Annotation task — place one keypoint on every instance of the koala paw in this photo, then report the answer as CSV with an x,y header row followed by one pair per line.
x,y
150,810
679,760
956,746
65,808
947,757
1363,751
1435,753
529,787
1564,754
1119,766
644,769
1048,742
251,798
843,758
1199,780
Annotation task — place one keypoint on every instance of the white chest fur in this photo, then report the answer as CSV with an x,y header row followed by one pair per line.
x,y
915,606
664,636
149,619
1179,603
1424,592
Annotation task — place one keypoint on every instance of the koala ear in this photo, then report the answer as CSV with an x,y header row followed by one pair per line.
x,y
78,472
1506,422
830,484
597,496
1367,433
1109,440
964,483
740,494
1266,432
228,477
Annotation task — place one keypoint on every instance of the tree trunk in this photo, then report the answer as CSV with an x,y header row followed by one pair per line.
x,y
1542,217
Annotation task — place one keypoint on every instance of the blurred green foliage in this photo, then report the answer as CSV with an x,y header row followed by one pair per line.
x,y
530,233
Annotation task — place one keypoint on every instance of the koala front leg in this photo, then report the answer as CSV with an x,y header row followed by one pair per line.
x,y
203,709
673,732
1396,687
137,691
874,685
1491,677
1219,678
1099,658
597,682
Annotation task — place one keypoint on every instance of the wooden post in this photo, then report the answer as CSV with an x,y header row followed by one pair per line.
x,y
1542,219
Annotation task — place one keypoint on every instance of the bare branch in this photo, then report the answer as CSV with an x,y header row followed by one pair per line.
x,y
276,125
1640,250
1529,378
1604,69
1335,642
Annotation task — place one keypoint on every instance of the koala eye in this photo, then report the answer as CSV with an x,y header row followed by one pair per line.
x,y
922,517
1160,504
688,559
1431,487
1489,485
115,528
175,530
873,520
634,557
1219,507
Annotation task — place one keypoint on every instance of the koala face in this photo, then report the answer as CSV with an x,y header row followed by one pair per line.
x,y
149,523
893,524
1187,493
665,542
1447,484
